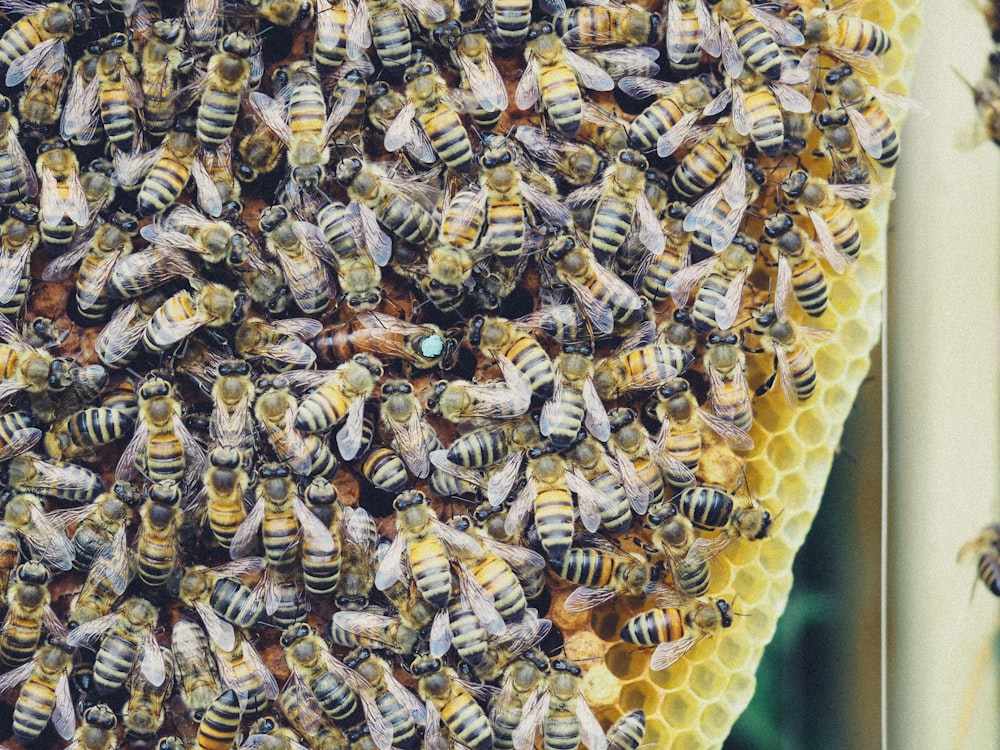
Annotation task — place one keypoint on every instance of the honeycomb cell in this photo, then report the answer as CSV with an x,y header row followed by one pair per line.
x,y
829,363
706,683
733,653
772,420
846,305
811,428
681,709
796,525
750,588
713,723
656,732
636,696
600,687
605,624
623,662
785,453
835,399
668,678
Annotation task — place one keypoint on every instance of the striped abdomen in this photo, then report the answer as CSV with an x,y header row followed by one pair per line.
x,y
561,98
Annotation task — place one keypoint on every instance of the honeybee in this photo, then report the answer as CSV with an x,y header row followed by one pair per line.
x,y
300,247
304,126
117,97
551,77
675,630
497,337
798,269
472,54
161,60
302,712
546,490
357,575
872,126
97,523
638,368
795,367
198,679
399,706
523,678
677,106
986,546
98,729
97,257
840,32
45,74
575,163
427,543
220,598
605,299
688,21
463,401
401,416
274,411
757,105
19,237
223,87
17,178
383,105
28,609
157,544
600,26
720,280
341,397
62,200
710,507
127,638
385,22
574,401
621,206
428,104
337,688
45,690
833,222
220,722
396,204
561,712
333,20
38,24
109,575
143,714
242,670
283,12
77,435
419,344
449,700
678,444
212,306
849,163
118,341
278,343
162,446
728,392
744,33
30,473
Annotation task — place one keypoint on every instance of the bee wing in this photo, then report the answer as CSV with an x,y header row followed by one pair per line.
x,y
735,437
783,286
130,167
246,533
88,633
517,514
485,82
209,198
16,676
475,598
727,309
591,733
784,374
410,442
635,61
48,541
314,532
433,737
732,58
526,93
587,194
114,565
593,76
390,568
440,635
12,268
677,35
535,709
202,18
643,87
407,699
349,436
742,119
120,336
596,416
790,99
704,549
21,158
274,115
686,129
867,137
501,482
359,35
47,55
151,664
221,633
518,383
719,103
550,408
597,312
64,712
257,663
397,134
378,242
667,654
50,477
90,287
781,30
589,499
551,210
650,232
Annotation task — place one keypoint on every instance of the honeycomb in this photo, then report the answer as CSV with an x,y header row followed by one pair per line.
x,y
694,703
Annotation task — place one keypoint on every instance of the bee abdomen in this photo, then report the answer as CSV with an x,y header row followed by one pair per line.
x,y
655,626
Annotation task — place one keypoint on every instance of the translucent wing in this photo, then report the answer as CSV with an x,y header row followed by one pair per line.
x,y
527,88
390,568
594,77
727,309
667,654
